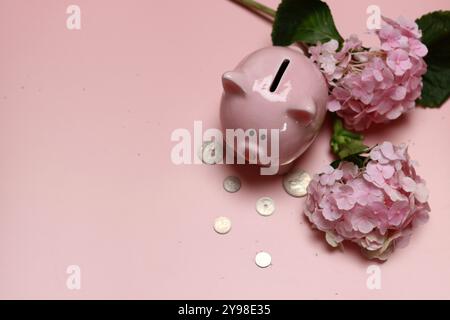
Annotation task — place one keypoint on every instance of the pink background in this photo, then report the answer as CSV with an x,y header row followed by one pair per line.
x,y
86,176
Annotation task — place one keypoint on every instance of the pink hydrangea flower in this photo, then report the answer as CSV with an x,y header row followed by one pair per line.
x,y
374,86
323,55
376,207
391,38
399,62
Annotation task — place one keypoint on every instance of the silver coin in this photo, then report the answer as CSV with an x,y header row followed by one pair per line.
x,y
211,152
263,259
296,183
232,184
265,206
222,225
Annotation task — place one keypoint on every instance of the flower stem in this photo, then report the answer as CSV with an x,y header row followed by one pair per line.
x,y
255,5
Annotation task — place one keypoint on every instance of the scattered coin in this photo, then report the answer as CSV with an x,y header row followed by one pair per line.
x,y
211,152
232,184
222,225
265,206
296,183
263,259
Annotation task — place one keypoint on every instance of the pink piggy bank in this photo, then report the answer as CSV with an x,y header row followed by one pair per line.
x,y
275,88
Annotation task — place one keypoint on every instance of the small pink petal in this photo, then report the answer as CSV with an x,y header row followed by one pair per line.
x,y
388,150
388,171
334,105
408,184
395,113
399,93
421,193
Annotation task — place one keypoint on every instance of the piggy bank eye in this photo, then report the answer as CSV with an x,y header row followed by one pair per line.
x,y
279,75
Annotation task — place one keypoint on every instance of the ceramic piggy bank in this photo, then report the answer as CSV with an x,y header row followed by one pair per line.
x,y
275,88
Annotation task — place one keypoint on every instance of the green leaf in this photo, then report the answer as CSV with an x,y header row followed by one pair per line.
x,y
308,21
345,143
435,28
357,159
436,87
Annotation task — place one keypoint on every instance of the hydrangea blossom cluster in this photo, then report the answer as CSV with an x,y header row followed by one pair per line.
x,y
376,206
374,86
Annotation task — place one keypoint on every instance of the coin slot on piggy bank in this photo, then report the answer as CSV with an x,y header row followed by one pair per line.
x,y
279,75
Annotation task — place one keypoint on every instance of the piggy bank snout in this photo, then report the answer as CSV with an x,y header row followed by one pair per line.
x,y
305,113
254,151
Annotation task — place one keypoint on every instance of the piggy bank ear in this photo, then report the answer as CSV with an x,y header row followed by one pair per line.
x,y
233,82
304,114
295,47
